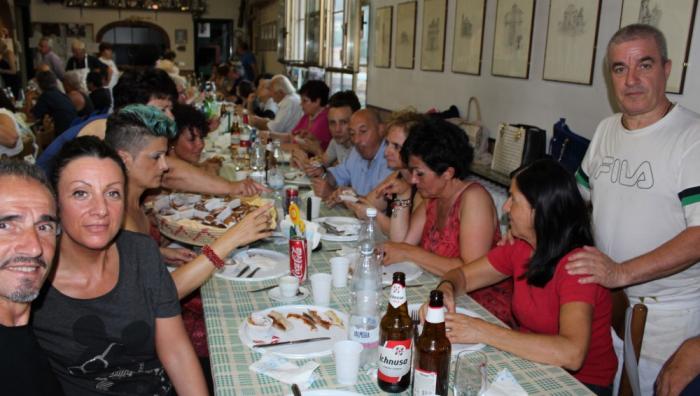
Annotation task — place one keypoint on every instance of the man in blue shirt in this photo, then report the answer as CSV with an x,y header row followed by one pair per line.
x,y
365,167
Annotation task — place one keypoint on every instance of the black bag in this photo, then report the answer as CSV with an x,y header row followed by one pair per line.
x,y
567,147
517,145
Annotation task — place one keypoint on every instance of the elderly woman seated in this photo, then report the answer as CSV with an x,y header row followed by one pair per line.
x,y
561,321
457,222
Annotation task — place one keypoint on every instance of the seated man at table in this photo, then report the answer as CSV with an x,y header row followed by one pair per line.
x,y
341,106
50,102
289,110
364,168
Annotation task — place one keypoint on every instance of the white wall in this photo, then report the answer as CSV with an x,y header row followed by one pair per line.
x,y
532,101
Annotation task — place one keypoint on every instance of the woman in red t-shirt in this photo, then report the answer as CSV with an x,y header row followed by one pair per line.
x,y
561,321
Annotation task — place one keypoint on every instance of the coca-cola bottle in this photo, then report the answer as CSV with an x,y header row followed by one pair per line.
x,y
395,338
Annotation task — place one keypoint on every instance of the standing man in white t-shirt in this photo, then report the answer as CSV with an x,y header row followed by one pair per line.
x,y
641,175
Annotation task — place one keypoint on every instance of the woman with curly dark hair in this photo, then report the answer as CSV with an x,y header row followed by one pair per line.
x,y
457,221
188,143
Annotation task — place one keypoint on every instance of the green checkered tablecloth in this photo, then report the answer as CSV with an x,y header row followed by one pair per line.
x,y
228,303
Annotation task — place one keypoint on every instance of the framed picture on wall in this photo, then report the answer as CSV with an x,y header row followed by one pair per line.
x,y
180,36
405,34
675,19
382,37
432,57
513,38
468,36
571,37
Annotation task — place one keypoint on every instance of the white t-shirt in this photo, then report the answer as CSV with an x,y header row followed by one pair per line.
x,y
336,151
115,72
19,146
288,114
645,189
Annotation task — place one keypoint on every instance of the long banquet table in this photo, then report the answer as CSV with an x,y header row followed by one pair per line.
x,y
228,303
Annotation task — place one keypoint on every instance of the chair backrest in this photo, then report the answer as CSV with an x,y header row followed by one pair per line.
x,y
637,323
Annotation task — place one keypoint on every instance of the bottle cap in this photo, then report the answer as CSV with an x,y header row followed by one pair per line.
x,y
371,212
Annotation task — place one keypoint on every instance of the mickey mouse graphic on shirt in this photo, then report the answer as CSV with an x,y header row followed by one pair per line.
x,y
117,365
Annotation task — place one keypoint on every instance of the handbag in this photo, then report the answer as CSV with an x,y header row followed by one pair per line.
x,y
566,146
473,128
517,145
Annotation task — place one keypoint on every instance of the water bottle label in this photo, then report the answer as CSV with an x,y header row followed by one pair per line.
x,y
397,296
424,383
369,338
394,360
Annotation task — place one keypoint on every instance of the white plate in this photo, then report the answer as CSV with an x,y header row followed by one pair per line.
x,y
272,265
411,269
277,296
339,221
456,348
328,392
298,332
299,179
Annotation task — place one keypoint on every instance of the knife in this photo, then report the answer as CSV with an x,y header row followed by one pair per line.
x,y
292,342
246,268
253,273
263,289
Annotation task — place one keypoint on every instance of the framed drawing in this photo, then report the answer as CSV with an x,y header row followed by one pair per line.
x,y
513,37
180,36
405,34
382,37
571,37
432,57
675,19
468,37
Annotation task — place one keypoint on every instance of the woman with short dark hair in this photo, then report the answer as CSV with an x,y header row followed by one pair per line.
x,y
561,321
457,221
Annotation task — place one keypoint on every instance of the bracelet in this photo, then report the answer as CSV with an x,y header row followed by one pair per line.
x,y
401,203
212,256
454,288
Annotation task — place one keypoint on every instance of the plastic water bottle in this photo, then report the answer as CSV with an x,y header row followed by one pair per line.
x,y
370,233
366,290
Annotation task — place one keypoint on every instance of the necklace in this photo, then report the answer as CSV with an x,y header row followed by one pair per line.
x,y
668,110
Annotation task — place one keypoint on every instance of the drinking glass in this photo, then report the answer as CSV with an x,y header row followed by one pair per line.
x,y
470,374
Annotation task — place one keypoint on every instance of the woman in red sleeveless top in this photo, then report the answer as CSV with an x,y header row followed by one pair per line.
x,y
457,221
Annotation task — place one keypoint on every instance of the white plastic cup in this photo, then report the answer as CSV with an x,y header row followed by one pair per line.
x,y
347,361
339,271
288,286
321,286
315,207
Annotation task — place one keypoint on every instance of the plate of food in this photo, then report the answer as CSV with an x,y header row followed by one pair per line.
x,y
339,229
456,348
198,219
297,177
254,265
409,268
293,323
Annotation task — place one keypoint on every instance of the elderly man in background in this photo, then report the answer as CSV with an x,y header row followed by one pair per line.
x,y
46,56
28,229
365,166
260,102
641,174
289,110
85,63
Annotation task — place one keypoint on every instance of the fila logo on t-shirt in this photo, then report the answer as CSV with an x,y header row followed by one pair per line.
x,y
622,173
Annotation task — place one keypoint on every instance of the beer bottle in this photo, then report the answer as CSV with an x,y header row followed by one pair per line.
x,y
396,336
433,349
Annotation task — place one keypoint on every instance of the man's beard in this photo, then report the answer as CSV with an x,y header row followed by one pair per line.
x,y
27,291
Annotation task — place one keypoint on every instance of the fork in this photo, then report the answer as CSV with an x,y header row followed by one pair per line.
x,y
415,318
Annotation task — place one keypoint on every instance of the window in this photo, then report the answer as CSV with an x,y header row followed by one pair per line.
x,y
296,24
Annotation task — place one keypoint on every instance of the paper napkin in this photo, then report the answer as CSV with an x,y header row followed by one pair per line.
x,y
505,385
285,371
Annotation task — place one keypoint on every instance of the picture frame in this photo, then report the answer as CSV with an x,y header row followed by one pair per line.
x,y
468,40
572,31
405,35
675,19
382,36
512,41
433,35
180,36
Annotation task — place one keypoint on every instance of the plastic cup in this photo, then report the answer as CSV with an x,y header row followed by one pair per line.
x,y
339,271
315,206
288,286
347,361
321,286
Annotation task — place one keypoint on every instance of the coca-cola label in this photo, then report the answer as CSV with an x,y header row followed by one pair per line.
x,y
394,360
424,382
435,315
297,258
397,297
369,338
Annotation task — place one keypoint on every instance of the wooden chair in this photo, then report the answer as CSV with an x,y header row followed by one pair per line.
x,y
639,319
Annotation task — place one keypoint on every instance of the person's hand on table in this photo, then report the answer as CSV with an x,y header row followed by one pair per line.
x,y
359,208
334,198
395,252
680,369
397,186
600,268
254,226
463,329
299,158
448,299
247,188
177,256
309,143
